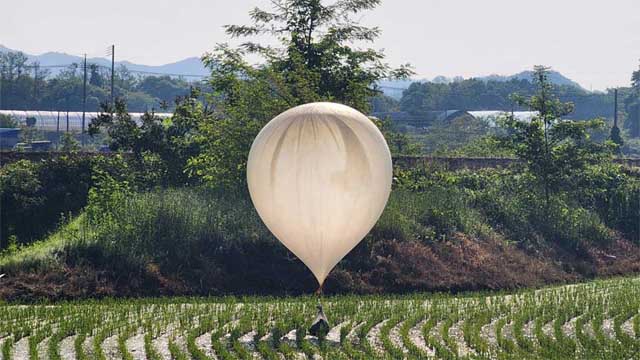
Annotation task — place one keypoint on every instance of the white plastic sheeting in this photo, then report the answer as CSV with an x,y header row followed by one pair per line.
x,y
59,120
492,116
320,176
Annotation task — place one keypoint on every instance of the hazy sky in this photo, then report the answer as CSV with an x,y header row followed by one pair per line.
x,y
594,42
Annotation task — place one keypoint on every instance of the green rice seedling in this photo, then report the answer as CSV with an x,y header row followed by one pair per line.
x,y
266,351
122,344
151,353
176,352
193,349
79,348
36,339
7,345
388,345
220,349
413,350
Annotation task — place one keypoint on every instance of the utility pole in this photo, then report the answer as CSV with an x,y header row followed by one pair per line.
x,y
113,62
58,131
84,97
615,108
35,85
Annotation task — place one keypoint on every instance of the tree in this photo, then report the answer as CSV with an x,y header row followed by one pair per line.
x,y
95,77
164,88
383,103
7,121
555,151
315,62
399,143
170,140
616,137
632,106
69,143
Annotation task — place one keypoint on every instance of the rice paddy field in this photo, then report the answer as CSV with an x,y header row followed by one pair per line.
x,y
596,320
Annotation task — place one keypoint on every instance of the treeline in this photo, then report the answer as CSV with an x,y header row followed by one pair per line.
x,y
27,86
476,94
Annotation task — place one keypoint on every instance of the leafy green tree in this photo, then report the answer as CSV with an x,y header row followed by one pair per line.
x,y
556,151
164,88
121,129
7,121
478,94
29,134
399,143
95,77
383,103
616,137
25,85
68,142
314,62
632,106
20,193
172,140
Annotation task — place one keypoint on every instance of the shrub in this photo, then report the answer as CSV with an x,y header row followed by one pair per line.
x,y
35,195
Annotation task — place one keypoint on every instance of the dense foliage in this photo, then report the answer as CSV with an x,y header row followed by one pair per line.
x,y
27,86
316,61
164,144
36,195
212,242
632,106
475,94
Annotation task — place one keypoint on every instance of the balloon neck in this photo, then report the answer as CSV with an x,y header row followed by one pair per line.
x,y
319,291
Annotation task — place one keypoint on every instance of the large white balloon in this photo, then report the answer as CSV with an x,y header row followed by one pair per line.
x,y
319,176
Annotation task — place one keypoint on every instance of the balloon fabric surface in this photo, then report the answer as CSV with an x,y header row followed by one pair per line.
x,y
320,176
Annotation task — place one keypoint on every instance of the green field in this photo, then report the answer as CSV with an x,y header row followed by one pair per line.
x,y
596,320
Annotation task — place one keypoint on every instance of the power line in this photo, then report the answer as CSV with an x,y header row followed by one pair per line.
x,y
108,68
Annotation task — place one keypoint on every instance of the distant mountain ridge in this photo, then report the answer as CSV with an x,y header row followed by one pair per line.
x,y
193,66
188,66
554,77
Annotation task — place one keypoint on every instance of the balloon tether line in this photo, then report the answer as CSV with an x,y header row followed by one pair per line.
x,y
319,293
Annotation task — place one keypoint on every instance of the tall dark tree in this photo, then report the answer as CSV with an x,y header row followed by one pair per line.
x,y
95,77
555,151
315,61
632,106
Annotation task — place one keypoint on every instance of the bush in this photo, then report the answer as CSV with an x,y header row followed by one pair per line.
x,y
511,202
8,121
35,195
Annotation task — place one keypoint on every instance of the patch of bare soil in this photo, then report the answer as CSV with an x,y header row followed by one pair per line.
x,y
373,337
416,337
67,348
